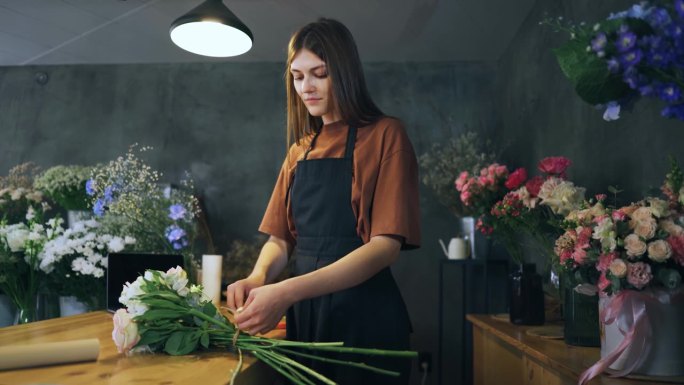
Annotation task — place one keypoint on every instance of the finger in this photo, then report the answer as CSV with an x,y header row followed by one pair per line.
x,y
250,299
230,297
240,297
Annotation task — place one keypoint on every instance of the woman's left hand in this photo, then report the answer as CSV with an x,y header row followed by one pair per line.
x,y
264,308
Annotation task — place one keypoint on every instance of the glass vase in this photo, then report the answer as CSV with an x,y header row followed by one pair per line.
x,y
25,313
581,318
526,303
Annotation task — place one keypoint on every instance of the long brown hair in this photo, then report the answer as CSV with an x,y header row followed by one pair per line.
x,y
331,41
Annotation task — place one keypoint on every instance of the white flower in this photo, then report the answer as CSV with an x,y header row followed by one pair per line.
x,y
30,213
116,244
561,196
605,232
125,333
131,290
17,194
16,238
660,208
659,250
129,240
177,279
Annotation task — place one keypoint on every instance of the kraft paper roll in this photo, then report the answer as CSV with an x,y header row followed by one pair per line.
x,y
23,356
211,277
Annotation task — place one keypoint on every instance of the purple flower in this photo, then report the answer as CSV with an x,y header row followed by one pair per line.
x,y
613,65
612,112
674,31
673,111
174,233
631,58
90,187
99,208
599,42
632,77
108,194
679,7
646,90
626,41
658,18
177,211
669,92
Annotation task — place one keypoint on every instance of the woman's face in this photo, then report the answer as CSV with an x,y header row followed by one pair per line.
x,y
313,85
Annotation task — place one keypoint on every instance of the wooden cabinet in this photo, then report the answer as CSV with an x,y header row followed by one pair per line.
x,y
504,353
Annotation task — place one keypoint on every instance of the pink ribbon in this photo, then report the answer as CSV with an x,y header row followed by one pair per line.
x,y
628,309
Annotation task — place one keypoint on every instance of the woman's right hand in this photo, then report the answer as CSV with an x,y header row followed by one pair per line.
x,y
238,291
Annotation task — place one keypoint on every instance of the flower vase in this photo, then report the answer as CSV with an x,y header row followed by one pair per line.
x,y
656,343
71,306
581,318
26,313
526,303
7,311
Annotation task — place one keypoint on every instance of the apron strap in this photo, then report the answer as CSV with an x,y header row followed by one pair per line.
x,y
313,142
351,140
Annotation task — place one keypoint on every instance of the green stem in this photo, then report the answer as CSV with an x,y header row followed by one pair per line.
x,y
279,368
372,352
237,369
293,363
213,320
359,365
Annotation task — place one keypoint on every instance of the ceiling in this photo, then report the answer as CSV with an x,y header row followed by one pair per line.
x,y
36,32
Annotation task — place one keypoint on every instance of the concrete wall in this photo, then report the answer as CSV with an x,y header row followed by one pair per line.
x,y
225,124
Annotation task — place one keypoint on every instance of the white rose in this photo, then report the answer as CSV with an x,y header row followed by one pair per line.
x,y
618,268
634,245
646,228
125,333
177,279
16,239
659,250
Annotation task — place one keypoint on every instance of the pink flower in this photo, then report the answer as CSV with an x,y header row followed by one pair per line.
x,y
554,165
516,178
534,185
125,333
461,180
605,261
677,245
601,197
579,255
618,216
639,274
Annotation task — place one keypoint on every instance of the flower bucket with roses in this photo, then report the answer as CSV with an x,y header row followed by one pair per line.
x,y
634,257
638,52
164,313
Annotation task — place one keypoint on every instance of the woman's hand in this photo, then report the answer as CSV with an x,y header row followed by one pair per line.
x,y
264,308
237,292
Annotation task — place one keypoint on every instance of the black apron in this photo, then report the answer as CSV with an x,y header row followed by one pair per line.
x,y
371,314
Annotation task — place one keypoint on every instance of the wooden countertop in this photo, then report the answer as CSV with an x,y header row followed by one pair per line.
x,y
206,368
570,361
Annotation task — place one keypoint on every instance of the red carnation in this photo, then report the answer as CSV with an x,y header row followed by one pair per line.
x,y
516,178
554,165
534,185
677,245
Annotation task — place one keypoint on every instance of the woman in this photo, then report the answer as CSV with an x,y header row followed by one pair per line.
x,y
347,200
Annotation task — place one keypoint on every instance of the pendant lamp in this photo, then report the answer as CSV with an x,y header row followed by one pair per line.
x,y
211,29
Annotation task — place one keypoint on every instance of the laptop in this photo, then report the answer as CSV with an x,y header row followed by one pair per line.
x,y
126,267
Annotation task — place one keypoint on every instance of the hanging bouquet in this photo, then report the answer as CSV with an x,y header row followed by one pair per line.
x,y
75,262
534,207
20,247
163,313
128,199
466,152
634,53
65,185
18,198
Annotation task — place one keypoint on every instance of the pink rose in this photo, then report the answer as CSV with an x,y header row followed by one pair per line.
x,y
534,185
619,216
659,250
125,333
516,178
677,245
639,274
461,180
554,165
601,197
634,245
646,229
618,268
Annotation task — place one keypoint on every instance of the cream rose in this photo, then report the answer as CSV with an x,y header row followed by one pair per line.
x,y
618,268
634,246
562,197
646,229
671,228
642,214
659,250
125,333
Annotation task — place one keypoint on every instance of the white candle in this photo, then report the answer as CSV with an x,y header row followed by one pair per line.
x,y
211,277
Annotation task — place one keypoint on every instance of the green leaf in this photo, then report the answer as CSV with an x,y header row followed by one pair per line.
x,y
204,340
151,337
614,190
154,314
173,344
209,309
596,85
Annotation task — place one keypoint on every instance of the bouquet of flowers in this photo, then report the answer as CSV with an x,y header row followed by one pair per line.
x,y
65,185
534,206
19,201
75,261
20,248
163,313
128,199
634,53
444,160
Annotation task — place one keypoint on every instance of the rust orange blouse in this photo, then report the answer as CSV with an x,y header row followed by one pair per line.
x,y
384,185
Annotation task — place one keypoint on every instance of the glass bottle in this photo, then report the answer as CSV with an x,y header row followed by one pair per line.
x,y
526,296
